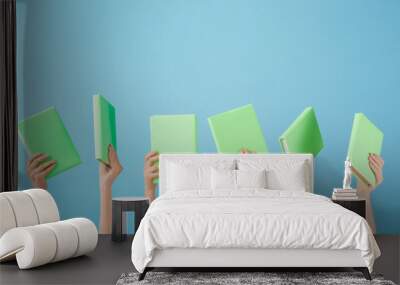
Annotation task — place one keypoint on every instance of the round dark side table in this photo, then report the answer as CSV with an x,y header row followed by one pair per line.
x,y
121,205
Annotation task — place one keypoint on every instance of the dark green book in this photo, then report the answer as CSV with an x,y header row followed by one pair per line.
x,y
104,127
45,133
303,135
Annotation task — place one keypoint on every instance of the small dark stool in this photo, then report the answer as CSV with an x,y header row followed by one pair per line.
x,y
121,205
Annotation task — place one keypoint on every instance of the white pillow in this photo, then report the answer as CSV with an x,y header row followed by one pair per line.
x,y
187,174
251,178
281,174
223,179
292,179
185,177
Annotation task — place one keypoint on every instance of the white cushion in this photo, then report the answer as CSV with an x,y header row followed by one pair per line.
x,y
46,207
288,175
33,246
188,175
182,177
87,233
67,239
292,179
236,179
37,245
251,178
23,208
27,208
7,218
223,179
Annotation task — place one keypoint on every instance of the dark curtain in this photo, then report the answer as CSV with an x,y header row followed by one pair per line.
x,y
8,97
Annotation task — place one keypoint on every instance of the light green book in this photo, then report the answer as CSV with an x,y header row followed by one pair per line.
x,y
45,133
303,135
237,129
365,138
173,133
104,127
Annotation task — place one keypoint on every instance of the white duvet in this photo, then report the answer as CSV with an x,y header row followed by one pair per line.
x,y
251,218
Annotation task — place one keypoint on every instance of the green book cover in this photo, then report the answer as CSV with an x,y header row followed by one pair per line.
x,y
236,129
303,135
173,133
104,127
365,138
45,132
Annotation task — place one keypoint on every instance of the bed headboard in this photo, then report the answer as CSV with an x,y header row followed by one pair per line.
x,y
235,159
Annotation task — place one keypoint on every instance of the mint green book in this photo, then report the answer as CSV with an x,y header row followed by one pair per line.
x,y
173,133
303,135
365,138
45,133
104,127
237,129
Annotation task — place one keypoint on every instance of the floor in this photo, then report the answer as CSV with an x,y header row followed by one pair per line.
x,y
103,266
110,260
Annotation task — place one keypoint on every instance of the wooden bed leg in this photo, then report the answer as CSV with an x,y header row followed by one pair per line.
x,y
143,274
364,271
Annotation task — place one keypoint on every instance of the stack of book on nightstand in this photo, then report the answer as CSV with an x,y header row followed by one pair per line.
x,y
344,194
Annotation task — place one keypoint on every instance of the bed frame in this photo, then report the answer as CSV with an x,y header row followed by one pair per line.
x,y
246,259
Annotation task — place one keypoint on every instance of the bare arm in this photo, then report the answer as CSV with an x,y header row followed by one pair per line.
x,y
150,172
364,190
107,175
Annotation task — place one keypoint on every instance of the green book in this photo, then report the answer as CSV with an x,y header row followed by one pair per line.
x,y
303,135
104,127
45,133
237,129
365,138
173,133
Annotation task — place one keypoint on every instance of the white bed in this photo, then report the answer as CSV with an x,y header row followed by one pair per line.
x,y
201,220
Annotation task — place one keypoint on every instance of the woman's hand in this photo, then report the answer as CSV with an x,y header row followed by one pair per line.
x,y
376,164
150,172
37,169
109,172
150,169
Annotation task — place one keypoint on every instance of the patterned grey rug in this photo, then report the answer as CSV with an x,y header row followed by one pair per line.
x,y
225,278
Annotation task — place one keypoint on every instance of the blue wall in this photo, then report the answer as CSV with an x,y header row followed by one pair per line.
x,y
203,57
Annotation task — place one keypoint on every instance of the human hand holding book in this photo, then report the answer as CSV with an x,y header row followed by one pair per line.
x,y
150,172
376,164
37,168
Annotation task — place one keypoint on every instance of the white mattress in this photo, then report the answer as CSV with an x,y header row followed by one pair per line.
x,y
250,219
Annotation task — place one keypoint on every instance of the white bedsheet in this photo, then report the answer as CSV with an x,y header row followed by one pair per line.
x,y
251,218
